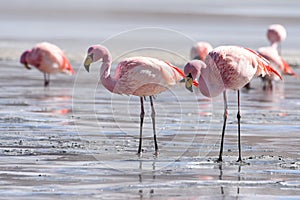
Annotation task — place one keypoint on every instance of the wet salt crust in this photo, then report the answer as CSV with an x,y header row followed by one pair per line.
x,y
76,140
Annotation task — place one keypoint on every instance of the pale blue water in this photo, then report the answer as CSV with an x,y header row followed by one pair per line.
x,y
76,140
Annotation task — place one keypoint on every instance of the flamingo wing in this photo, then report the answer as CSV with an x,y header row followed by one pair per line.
x,y
273,56
262,63
287,69
143,76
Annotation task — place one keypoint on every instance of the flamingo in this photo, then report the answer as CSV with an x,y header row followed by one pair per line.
x,y
138,76
48,58
227,67
276,34
277,62
200,50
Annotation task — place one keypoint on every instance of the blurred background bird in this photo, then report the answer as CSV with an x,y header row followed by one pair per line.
x,y
48,58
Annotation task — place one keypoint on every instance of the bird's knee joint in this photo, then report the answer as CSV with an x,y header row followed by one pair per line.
x,y
238,115
225,114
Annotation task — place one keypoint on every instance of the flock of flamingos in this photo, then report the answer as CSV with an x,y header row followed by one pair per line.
x,y
213,71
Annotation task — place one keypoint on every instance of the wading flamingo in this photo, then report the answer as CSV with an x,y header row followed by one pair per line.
x,y
200,50
138,76
277,62
276,34
226,67
47,58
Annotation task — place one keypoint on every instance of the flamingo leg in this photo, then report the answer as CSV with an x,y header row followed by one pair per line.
x,y
46,79
224,125
141,125
239,126
153,124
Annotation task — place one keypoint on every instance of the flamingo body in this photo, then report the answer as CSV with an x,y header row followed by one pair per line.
x,y
227,67
144,76
276,60
47,58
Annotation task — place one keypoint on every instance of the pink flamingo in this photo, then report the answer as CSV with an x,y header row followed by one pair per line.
x,y
226,67
200,50
47,58
276,34
138,76
277,62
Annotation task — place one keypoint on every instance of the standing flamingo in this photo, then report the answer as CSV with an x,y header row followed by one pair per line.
x,y
277,62
226,67
200,50
47,58
138,76
276,34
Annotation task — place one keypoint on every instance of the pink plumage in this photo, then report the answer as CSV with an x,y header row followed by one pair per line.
x,y
230,67
276,33
227,67
276,60
200,50
48,58
139,76
144,76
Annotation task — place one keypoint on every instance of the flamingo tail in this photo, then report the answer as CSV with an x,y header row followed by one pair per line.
x,y
288,69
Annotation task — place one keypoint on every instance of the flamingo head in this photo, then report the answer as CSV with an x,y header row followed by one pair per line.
x,y
23,59
96,53
200,50
276,33
192,71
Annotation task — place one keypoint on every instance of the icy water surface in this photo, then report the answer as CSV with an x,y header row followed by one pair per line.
x,y
75,140
57,142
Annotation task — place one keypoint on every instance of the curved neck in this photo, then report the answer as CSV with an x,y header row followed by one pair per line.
x,y
210,82
105,77
275,45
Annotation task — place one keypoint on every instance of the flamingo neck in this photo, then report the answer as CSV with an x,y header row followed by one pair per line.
x,y
211,83
105,77
274,45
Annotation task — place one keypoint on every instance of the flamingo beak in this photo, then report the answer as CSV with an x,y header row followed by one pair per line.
x,y
27,66
88,60
189,82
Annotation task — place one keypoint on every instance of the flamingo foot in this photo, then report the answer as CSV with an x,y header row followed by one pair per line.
x,y
139,153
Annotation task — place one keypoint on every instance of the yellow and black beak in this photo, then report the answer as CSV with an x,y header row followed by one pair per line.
x,y
27,66
189,82
87,62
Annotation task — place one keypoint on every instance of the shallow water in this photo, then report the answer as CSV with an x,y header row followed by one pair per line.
x,y
79,141
76,140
